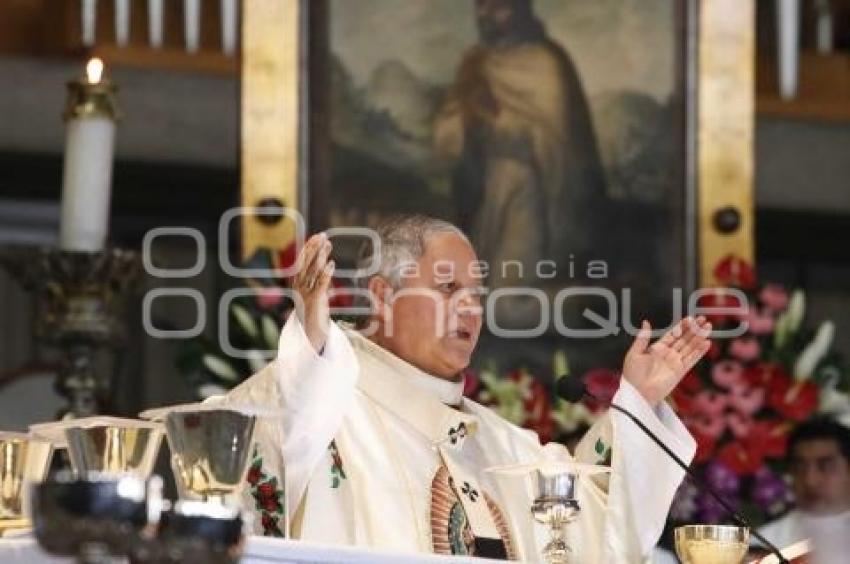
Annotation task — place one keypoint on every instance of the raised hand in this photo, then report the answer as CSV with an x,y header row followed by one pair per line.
x,y
311,282
656,369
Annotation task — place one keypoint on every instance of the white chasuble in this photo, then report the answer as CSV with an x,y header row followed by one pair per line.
x,y
371,451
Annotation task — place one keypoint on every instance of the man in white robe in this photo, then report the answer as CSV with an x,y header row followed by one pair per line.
x,y
377,447
819,460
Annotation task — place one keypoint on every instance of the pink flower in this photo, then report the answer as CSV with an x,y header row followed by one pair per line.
x,y
727,373
706,428
710,403
267,298
774,297
745,348
759,323
746,400
741,425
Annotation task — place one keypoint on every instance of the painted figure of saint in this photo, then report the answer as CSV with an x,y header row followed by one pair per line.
x,y
527,176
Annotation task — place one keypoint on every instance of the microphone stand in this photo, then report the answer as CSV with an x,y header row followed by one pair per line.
x,y
739,519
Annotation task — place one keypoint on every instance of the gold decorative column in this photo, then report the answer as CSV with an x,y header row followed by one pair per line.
x,y
726,118
271,38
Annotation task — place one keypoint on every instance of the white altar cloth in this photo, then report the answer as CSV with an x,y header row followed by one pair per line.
x,y
259,550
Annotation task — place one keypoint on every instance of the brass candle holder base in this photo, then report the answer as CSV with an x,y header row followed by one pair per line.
x,y
14,524
79,300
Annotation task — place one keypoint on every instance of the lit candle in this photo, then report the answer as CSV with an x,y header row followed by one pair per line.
x,y
155,23
122,22
87,175
229,9
192,24
88,14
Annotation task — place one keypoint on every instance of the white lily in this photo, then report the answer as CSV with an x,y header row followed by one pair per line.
x,y
256,359
220,367
244,319
560,364
814,352
271,332
789,322
206,391
569,416
796,310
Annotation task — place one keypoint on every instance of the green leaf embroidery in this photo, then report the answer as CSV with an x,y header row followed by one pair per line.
x,y
600,447
337,470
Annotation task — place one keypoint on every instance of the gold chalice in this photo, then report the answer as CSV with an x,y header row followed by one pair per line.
x,y
712,544
106,445
24,459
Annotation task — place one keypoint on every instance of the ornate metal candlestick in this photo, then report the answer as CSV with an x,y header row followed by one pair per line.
x,y
79,310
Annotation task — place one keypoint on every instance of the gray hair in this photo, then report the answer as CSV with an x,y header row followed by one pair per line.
x,y
403,239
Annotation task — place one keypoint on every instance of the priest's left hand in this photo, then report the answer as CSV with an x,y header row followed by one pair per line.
x,y
656,369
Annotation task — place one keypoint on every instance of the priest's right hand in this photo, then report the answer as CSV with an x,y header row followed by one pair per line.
x,y
311,283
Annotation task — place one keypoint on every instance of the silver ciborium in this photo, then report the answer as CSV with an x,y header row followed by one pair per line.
x,y
712,544
107,445
555,505
95,518
24,459
210,449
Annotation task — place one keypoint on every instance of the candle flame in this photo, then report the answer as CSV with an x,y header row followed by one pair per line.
x,y
94,70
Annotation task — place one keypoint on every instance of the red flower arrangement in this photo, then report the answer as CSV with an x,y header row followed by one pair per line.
x,y
741,402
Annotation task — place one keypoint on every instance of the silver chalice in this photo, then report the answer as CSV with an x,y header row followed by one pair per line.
x,y
556,505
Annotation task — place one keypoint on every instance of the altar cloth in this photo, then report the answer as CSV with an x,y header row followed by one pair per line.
x,y
258,550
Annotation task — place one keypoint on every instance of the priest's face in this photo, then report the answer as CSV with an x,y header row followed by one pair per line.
x,y
821,476
433,321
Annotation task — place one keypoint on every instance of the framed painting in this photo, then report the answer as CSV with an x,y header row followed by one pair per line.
x,y
559,135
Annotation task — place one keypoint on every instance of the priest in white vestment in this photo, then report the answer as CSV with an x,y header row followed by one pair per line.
x,y
376,446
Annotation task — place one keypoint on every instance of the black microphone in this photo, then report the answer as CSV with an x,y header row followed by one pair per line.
x,y
573,390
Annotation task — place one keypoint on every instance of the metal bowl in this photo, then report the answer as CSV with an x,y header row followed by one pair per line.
x,y
196,531
103,513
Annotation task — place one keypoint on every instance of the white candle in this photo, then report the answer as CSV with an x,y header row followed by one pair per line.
x,y
87,176
155,23
88,13
192,24
788,26
229,9
824,27
122,22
